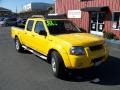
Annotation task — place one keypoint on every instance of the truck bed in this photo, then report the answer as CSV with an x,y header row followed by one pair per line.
x,y
20,26
16,31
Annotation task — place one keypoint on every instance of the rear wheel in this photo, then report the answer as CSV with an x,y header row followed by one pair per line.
x,y
18,45
57,64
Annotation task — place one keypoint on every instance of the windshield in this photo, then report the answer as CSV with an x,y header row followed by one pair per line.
x,y
61,27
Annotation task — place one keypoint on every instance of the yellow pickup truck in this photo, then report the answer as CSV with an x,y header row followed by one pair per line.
x,y
61,43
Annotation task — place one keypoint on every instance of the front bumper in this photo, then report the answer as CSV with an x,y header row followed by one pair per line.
x,y
91,58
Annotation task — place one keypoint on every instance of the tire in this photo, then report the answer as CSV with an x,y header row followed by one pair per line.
x,y
18,45
57,64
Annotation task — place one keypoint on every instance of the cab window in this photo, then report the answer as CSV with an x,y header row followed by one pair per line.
x,y
30,25
39,27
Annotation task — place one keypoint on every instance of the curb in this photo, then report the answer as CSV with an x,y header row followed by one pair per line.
x,y
113,44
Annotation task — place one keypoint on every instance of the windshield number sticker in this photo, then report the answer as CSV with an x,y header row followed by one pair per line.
x,y
51,23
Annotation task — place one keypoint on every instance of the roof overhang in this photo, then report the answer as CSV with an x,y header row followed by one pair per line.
x,y
4,10
95,9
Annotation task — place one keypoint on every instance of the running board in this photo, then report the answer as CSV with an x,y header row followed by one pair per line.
x,y
36,53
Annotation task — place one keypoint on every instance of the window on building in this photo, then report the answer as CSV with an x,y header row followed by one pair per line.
x,y
116,20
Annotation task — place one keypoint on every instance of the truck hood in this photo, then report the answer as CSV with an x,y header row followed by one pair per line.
x,y
81,39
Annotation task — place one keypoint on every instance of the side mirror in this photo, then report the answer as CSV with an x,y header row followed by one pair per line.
x,y
42,32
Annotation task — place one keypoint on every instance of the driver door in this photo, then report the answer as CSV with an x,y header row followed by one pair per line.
x,y
41,42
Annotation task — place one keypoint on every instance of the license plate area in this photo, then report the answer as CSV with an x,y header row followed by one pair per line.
x,y
97,61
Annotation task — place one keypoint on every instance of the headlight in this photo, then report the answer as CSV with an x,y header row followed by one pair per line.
x,y
77,51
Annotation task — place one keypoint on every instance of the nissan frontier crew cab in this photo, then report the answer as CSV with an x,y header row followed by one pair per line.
x,y
61,43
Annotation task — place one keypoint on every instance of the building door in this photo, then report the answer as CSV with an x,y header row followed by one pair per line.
x,y
97,23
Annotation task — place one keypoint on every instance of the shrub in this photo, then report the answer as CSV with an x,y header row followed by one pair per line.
x,y
116,38
110,35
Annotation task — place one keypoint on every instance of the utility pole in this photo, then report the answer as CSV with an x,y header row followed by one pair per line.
x,y
16,9
16,12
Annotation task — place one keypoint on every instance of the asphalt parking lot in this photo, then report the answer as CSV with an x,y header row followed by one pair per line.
x,y
25,71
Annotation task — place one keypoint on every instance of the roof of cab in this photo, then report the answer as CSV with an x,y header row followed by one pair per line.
x,y
49,16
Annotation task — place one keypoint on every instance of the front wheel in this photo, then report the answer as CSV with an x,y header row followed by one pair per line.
x,y
57,64
18,45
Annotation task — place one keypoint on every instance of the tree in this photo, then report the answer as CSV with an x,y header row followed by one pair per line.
x,y
51,9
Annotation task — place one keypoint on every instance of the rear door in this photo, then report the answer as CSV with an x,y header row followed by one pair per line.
x,y
28,36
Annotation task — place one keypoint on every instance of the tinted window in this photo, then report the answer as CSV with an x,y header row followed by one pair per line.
x,y
39,27
11,19
2,18
30,25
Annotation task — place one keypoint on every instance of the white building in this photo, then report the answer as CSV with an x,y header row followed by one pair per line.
x,y
36,6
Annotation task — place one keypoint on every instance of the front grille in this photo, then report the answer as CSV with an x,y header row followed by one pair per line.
x,y
94,48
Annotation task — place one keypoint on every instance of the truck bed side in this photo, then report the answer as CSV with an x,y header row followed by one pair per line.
x,y
16,32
